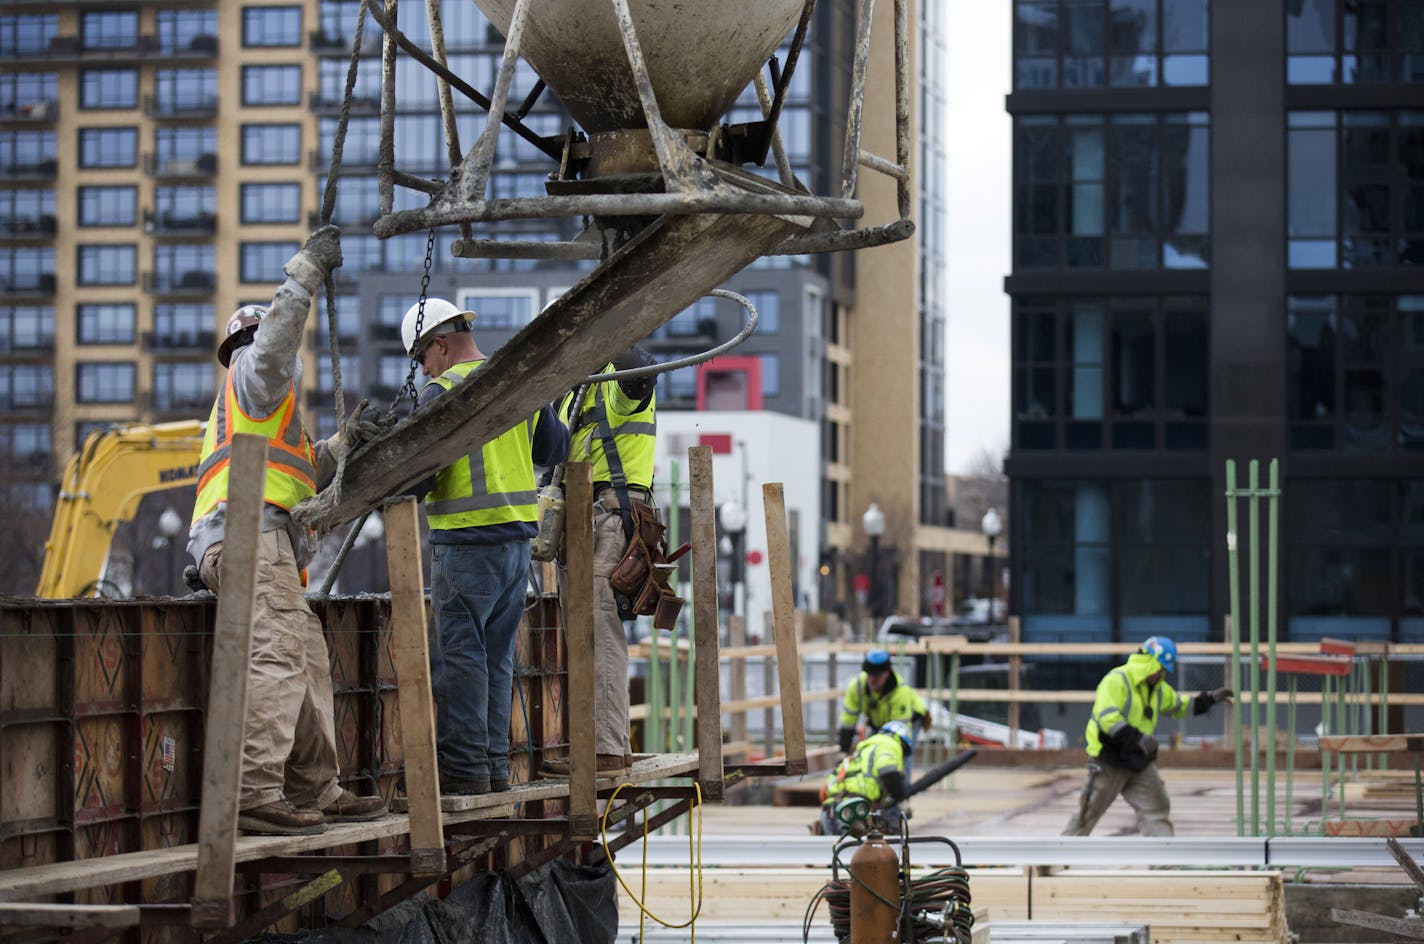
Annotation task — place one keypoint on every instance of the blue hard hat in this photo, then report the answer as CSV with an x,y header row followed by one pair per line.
x,y
1163,650
901,730
875,660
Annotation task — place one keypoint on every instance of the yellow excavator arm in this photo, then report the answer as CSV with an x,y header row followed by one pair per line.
x,y
102,486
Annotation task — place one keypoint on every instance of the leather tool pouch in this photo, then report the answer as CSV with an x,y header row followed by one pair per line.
x,y
643,574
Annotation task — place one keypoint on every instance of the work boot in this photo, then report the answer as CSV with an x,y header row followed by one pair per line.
x,y
499,784
350,808
606,765
281,818
457,786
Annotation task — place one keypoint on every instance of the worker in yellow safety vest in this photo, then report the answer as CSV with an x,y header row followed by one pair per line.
x,y
289,767
881,695
1122,748
482,513
874,777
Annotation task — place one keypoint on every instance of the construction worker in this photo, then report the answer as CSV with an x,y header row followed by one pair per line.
x,y
613,426
289,767
874,777
881,695
482,513
1121,748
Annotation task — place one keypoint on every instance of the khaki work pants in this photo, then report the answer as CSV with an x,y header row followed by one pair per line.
x,y
1144,791
289,736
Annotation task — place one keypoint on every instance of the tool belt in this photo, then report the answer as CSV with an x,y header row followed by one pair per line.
x,y
643,574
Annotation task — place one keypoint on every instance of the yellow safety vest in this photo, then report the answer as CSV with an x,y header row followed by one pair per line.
x,y
1124,697
493,485
291,461
900,703
859,774
634,437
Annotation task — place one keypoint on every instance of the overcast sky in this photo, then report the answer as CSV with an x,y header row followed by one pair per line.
x,y
977,359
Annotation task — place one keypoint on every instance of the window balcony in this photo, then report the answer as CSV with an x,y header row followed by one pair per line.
x,y
173,224
185,403
28,284
29,170
27,227
325,44
199,47
360,104
189,106
27,406
191,283
69,49
44,111
179,342
197,168
34,348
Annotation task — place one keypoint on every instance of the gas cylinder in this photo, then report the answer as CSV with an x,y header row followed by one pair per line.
x,y
874,868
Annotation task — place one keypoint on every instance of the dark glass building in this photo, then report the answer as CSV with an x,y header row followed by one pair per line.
x,y
1218,253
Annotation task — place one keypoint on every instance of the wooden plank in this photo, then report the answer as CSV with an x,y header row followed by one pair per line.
x,y
410,649
213,905
737,676
1373,743
1403,927
707,676
645,768
1370,827
783,610
579,640
1015,667
1406,862
25,914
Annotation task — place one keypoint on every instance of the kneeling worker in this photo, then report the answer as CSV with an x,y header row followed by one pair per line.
x,y
1122,751
872,778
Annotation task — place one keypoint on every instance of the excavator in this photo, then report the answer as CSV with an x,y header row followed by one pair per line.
x,y
101,489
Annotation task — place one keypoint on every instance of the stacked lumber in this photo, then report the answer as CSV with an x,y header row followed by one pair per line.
x,y
1186,906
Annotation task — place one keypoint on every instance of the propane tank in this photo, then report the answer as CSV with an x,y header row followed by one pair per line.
x,y
874,867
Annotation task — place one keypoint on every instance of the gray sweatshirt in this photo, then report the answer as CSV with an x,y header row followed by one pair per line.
x,y
261,372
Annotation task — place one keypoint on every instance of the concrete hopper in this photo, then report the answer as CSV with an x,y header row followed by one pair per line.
x,y
700,54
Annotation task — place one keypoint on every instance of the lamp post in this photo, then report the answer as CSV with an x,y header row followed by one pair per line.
x,y
170,525
734,523
992,525
873,521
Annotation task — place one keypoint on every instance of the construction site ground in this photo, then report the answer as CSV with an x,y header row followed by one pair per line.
x,y
1029,802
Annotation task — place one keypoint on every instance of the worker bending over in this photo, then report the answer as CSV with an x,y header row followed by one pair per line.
x,y
482,513
289,768
872,779
1121,748
613,426
881,695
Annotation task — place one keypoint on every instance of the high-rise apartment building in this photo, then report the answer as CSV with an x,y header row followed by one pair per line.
x,y
1218,254
153,177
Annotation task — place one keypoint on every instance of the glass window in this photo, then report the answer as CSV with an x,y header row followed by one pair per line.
x,y
27,211
183,265
348,319
271,144
26,328
27,269
108,265
350,373
108,88
180,90
508,312
105,382
108,147
26,386
108,206
1338,576
271,26
109,30
185,145
27,152
28,94
185,324
26,443
182,385
262,262
271,85
770,375
184,205
27,35
1093,43
768,306
187,31
106,324
271,203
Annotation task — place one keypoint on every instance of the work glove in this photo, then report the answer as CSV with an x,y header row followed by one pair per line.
x,y
1149,747
1220,695
362,425
320,254
846,739
1202,703
924,720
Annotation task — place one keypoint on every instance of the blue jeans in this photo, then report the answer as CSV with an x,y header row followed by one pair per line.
x,y
478,596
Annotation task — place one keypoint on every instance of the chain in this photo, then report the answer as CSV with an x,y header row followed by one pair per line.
x,y
409,389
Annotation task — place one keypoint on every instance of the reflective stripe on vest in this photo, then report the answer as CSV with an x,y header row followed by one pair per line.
x,y
493,484
635,438
291,462
862,769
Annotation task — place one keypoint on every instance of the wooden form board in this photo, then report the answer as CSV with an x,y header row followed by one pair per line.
x,y
213,906
579,640
1373,743
417,704
704,621
783,609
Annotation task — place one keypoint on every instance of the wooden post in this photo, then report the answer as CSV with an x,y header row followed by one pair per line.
x,y
225,725
417,704
704,621
783,605
579,640
1015,672
737,674
833,705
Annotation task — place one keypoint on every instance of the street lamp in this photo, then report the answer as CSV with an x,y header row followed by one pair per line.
x,y
873,521
734,522
170,525
992,525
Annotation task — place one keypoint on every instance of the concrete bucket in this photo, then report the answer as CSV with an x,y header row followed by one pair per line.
x,y
700,54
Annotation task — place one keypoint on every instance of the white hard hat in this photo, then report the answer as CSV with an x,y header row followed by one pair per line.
x,y
438,312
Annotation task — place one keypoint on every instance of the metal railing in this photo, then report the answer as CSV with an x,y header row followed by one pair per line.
x,y
190,282
204,165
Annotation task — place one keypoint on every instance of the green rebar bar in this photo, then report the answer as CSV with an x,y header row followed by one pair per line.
x,y
1271,524
675,680
652,722
1367,721
1290,757
1384,705
1234,587
1327,692
1253,589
